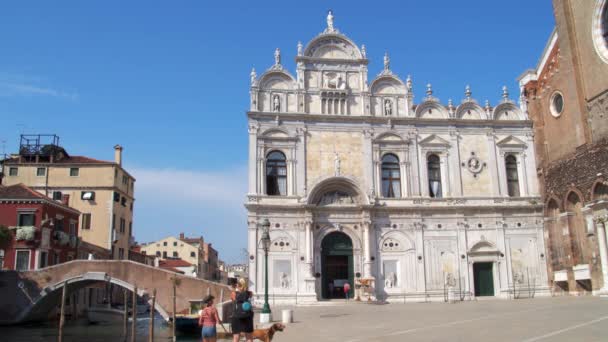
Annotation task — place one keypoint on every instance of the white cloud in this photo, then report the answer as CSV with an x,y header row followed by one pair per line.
x,y
208,203
226,188
24,85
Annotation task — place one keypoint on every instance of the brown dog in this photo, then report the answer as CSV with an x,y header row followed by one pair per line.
x,y
265,335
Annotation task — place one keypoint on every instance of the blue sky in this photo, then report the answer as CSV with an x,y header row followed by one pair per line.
x,y
169,81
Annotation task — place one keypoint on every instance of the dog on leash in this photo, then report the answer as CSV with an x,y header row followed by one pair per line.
x,y
265,335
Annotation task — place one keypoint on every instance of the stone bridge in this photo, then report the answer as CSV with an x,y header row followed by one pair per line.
x,y
31,295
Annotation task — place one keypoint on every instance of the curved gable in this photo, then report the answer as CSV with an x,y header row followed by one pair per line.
x,y
470,111
388,85
332,46
507,111
431,110
278,80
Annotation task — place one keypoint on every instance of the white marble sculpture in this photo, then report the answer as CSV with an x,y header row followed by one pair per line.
x,y
388,108
284,280
330,21
276,104
391,280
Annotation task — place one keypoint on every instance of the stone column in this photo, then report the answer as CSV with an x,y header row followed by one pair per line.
x,y
601,238
262,178
523,176
455,172
378,178
253,170
494,167
446,190
404,179
367,264
308,225
253,249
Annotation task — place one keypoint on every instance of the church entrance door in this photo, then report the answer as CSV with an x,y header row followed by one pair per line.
x,y
337,265
484,279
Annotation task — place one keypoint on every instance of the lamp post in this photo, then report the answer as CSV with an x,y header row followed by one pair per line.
x,y
265,316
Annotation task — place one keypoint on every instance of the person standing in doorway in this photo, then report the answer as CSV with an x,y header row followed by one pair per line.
x,y
346,290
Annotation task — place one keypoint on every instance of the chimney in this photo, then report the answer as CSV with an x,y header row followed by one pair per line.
x,y
65,200
118,155
181,236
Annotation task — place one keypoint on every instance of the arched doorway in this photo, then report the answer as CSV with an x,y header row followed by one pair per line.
x,y
337,265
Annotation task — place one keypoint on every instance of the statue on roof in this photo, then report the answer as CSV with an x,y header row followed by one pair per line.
x,y
387,61
253,76
277,57
330,21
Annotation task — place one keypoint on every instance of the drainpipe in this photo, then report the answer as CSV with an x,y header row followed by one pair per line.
x,y
111,230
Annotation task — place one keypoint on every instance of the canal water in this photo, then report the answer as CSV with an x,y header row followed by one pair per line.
x,y
82,331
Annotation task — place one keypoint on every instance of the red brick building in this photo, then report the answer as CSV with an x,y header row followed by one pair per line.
x,y
566,96
41,231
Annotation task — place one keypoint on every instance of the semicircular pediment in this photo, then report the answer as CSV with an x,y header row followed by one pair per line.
x,y
431,110
277,80
332,46
470,111
507,111
336,191
388,85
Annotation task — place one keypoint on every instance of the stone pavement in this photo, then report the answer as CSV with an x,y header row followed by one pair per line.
x,y
542,319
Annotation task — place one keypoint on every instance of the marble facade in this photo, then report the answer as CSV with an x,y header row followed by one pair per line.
x,y
461,190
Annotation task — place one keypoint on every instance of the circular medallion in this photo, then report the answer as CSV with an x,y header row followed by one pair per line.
x,y
474,164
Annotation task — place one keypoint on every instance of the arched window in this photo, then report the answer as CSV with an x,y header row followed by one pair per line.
x,y
276,174
600,192
434,172
391,176
512,177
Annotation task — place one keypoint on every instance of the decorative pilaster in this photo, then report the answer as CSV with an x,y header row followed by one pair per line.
x,y
601,237
494,168
309,268
367,263
253,170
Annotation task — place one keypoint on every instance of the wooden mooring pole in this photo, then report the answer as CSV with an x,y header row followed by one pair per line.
x,y
134,314
151,326
62,311
125,318
174,308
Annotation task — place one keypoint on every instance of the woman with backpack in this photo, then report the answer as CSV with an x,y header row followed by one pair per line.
x,y
208,320
242,317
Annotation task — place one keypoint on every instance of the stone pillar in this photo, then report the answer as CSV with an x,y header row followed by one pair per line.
x,y
404,179
308,293
455,173
378,178
446,189
367,264
523,176
414,159
601,238
494,166
308,225
262,178
253,170
252,249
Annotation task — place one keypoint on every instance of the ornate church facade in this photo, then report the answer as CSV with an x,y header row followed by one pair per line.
x,y
360,182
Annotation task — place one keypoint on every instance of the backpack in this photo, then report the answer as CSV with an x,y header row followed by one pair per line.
x,y
242,306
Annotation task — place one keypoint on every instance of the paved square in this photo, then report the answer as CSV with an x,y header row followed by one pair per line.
x,y
542,319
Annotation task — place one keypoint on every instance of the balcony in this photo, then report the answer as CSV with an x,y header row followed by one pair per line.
x,y
25,233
